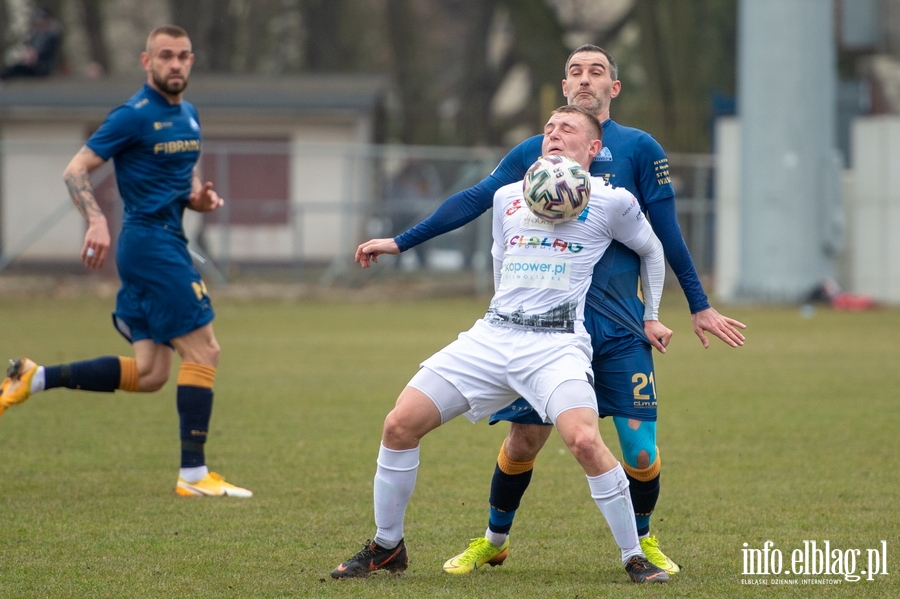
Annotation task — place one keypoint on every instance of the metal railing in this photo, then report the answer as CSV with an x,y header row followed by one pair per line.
x,y
303,208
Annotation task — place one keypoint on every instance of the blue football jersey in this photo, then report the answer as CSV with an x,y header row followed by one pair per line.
x,y
154,146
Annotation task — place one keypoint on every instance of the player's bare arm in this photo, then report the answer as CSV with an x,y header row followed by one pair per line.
x,y
77,179
203,197
658,334
368,252
723,327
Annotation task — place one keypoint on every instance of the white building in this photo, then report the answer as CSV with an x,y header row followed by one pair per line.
x,y
278,150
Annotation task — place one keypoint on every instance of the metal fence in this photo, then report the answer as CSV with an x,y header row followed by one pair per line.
x,y
302,209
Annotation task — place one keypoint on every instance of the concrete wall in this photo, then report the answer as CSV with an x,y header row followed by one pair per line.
x,y
327,189
727,208
869,252
31,165
873,215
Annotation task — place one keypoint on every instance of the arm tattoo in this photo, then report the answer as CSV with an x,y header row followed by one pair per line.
x,y
82,193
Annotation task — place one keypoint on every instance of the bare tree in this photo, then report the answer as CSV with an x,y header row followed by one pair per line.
x,y
687,50
539,45
445,57
478,83
323,45
126,25
92,21
211,26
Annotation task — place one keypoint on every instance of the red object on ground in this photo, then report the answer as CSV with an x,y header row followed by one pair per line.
x,y
853,303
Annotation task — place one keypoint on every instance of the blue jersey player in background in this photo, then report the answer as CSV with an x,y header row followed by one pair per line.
x,y
623,363
162,306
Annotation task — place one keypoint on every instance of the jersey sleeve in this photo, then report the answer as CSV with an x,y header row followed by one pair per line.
x,y
659,199
467,205
628,226
115,134
626,222
665,225
652,171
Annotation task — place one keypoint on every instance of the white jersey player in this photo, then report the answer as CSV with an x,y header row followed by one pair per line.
x,y
542,267
535,319
531,344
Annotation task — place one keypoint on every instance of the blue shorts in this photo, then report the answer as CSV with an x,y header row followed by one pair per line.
x,y
624,379
162,295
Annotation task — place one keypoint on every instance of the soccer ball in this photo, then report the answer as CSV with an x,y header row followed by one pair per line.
x,y
557,188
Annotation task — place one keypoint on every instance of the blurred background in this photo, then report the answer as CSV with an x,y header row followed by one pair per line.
x,y
328,122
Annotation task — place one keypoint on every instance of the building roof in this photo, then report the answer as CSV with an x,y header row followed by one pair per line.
x,y
212,94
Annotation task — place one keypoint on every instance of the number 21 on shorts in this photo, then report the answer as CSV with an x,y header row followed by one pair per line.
x,y
644,389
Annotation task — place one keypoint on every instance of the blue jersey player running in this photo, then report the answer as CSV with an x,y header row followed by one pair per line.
x,y
623,364
162,306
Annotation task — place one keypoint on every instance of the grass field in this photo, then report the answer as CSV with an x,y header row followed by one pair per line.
x,y
788,439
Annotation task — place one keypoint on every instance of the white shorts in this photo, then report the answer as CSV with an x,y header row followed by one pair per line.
x,y
492,366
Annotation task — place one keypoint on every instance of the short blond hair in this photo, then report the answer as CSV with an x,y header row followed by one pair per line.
x,y
170,30
594,126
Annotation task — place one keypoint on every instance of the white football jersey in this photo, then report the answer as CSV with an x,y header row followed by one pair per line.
x,y
546,268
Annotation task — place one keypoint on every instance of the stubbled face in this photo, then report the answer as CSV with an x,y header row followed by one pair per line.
x,y
168,64
589,83
567,134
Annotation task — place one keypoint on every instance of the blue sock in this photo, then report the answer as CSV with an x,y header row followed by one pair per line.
x,y
506,494
644,495
100,374
501,521
194,411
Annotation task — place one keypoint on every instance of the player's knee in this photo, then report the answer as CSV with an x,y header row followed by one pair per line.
x,y
584,442
397,432
644,470
199,349
210,353
524,441
214,352
638,441
643,459
153,380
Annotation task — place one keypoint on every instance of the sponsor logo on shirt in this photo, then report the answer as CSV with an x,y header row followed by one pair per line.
x,y
604,155
531,271
514,207
532,221
174,147
661,167
556,245
158,125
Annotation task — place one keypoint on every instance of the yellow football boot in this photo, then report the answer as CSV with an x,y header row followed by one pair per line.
x,y
16,387
211,485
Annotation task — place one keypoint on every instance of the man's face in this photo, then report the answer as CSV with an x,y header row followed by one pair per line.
x,y
567,134
589,84
168,63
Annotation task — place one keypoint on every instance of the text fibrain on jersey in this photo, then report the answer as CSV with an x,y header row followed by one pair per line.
x,y
174,147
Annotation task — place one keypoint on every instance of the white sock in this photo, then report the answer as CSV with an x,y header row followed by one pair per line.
x,y
495,538
39,380
395,479
195,474
610,492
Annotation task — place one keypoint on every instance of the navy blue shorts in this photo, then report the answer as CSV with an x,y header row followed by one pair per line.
x,y
162,295
624,379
